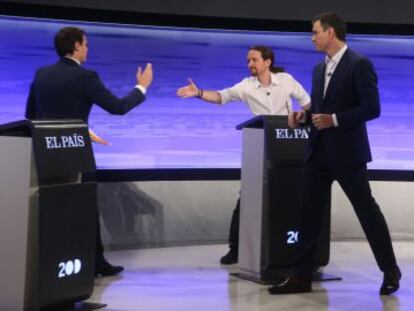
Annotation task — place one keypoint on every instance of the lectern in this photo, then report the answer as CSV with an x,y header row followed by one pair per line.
x,y
47,215
271,199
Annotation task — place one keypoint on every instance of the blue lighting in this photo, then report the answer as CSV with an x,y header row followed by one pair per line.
x,y
169,132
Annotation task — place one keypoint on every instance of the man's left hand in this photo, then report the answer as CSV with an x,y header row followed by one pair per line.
x,y
322,121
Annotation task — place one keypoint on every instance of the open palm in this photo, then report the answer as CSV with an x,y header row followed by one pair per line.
x,y
189,90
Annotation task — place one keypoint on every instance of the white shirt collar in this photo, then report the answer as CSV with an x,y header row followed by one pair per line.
x,y
337,57
273,80
75,60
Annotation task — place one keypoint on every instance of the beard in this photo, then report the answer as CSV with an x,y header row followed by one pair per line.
x,y
253,71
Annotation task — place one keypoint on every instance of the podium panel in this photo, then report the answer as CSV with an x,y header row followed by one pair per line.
x,y
47,215
14,219
251,202
271,199
66,238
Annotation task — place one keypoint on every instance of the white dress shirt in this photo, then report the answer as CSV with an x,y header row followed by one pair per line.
x,y
275,99
330,66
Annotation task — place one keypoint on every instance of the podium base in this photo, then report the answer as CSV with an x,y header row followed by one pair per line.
x,y
251,278
84,306
317,277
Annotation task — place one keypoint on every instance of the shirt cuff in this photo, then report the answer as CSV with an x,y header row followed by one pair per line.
x,y
335,120
141,88
224,96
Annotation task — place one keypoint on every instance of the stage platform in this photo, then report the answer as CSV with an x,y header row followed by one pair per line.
x,y
190,278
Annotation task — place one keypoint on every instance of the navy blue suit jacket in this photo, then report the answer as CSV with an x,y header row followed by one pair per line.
x,y
352,94
66,90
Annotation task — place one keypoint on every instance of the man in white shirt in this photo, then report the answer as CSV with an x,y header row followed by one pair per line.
x,y
268,91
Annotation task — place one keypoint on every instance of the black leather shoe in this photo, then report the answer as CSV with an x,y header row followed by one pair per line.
x,y
298,283
230,258
106,269
391,282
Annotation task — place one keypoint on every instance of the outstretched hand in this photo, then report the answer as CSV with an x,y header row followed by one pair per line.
x,y
144,78
97,139
189,90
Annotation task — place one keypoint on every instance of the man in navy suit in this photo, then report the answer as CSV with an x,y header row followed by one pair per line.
x,y
344,97
66,90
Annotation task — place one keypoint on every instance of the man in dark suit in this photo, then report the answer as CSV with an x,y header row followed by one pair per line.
x,y
66,90
344,97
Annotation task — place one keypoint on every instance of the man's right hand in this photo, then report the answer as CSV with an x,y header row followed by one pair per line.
x,y
189,90
96,139
295,118
144,78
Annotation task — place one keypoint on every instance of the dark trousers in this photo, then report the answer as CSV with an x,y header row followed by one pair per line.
x,y
234,228
99,250
354,182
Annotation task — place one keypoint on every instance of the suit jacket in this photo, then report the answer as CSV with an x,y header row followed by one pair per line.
x,y
66,90
352,94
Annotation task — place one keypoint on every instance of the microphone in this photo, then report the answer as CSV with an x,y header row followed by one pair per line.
x,y
329,74
268,93
287,107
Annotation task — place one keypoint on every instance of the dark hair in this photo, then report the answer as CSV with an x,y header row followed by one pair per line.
x,y
66,38
267,53
331,19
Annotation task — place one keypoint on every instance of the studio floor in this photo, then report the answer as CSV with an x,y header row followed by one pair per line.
x,y
190,278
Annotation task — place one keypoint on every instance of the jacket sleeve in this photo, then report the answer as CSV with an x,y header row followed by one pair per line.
x,y
367,97
313,99
100,95
31,102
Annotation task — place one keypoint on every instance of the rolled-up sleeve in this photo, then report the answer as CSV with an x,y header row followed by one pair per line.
x,y
236,92
299,93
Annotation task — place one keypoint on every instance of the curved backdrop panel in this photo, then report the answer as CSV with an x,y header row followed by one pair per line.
x,y
169,132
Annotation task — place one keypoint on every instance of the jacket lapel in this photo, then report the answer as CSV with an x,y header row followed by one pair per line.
x,y
336,76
